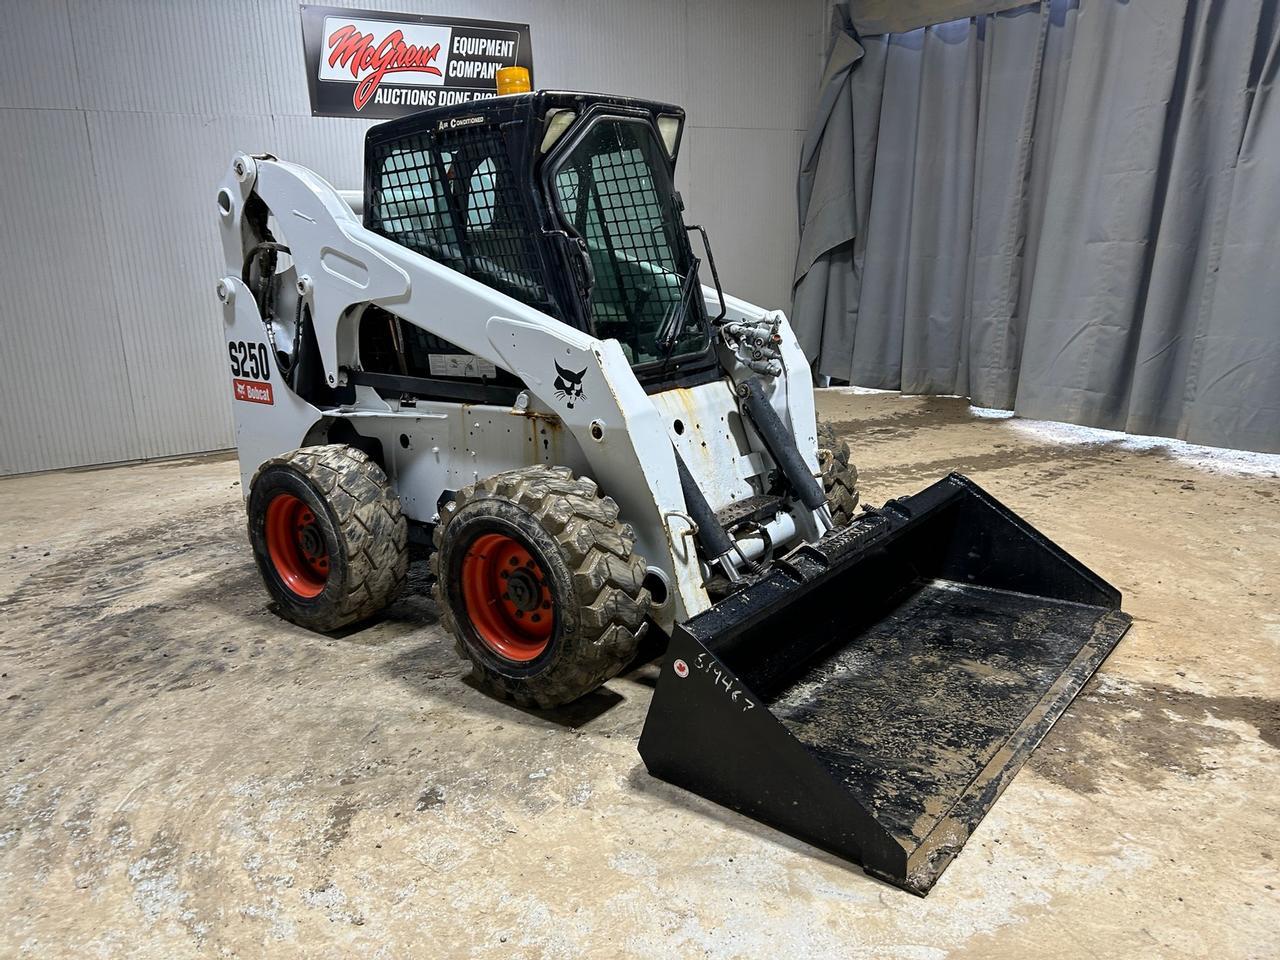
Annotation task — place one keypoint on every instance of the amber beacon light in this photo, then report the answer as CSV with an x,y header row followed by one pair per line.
x,y
513,80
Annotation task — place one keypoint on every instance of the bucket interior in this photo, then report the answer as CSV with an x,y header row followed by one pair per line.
x,y
907,668
908,709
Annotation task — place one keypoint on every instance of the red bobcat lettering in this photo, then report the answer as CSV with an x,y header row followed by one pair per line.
x,y
252,391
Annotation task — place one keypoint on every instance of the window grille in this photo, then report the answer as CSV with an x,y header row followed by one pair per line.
x,y
608,189
453,196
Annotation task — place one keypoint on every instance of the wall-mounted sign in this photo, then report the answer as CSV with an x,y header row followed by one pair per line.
x,y
365,63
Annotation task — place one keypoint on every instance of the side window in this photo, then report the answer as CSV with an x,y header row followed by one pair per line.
x,y
411,200
453,196
481,194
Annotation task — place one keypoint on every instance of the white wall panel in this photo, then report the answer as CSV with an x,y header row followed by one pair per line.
x,y
63,382
756,66
280,38
165,56
36,55
112,348
331,146
165,269
636,49
742,189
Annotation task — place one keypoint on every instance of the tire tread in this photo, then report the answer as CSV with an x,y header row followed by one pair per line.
x,y
369,520
839,475
607,578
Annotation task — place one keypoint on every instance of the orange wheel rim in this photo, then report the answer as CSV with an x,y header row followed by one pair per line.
x,y
507,597
296,545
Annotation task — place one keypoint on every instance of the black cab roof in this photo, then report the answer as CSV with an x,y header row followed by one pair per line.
x,y
512,107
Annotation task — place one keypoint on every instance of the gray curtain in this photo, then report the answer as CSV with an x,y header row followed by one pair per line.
x,y
896,16
1069,210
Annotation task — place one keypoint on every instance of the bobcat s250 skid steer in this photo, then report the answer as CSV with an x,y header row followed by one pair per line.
x,y
513,360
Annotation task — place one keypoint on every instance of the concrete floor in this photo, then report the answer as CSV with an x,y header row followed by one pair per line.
x,y
186,775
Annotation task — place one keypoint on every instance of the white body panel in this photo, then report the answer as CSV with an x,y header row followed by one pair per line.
x,y
612,431
705,427
263,430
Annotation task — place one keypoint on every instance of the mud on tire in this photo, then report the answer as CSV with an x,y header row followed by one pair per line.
x,y
348,556
839,476
587,574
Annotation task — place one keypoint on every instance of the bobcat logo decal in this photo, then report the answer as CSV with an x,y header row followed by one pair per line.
x,y
568,385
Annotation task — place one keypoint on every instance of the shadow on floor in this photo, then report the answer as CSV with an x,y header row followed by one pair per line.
x,y
753,833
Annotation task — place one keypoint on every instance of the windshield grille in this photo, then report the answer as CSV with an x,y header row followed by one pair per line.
x,y
614,190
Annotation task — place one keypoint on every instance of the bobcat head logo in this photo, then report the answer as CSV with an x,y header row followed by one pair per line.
x,y
568,385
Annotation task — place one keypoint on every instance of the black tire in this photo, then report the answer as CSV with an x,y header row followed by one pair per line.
x,y
338,502
582,569
839,476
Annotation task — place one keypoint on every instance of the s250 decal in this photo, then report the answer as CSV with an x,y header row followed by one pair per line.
x,y
249,360
250,371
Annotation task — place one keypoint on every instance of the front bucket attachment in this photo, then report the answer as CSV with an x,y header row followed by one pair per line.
x,y
874,693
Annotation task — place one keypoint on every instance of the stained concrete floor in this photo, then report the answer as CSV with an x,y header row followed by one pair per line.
x,y
186,775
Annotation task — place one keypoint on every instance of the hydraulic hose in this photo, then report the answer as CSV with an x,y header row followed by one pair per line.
x,y
712,538
781,444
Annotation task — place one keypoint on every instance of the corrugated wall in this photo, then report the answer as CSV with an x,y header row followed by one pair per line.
x,y
118,117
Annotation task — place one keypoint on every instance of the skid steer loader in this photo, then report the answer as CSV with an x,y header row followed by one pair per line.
x,y
513,362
